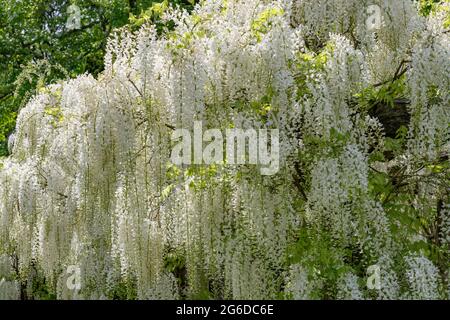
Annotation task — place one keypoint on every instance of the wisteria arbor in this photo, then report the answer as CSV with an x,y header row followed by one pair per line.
x,y
363,118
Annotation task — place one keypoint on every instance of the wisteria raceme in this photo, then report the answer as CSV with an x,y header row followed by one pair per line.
x,y
429,95
389,281
9,288
422,278
90,187
299,284
349,288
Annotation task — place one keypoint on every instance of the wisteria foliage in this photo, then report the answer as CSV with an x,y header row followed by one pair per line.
x,y
90,182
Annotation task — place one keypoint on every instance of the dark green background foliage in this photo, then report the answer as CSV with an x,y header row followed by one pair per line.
x,y
37,49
